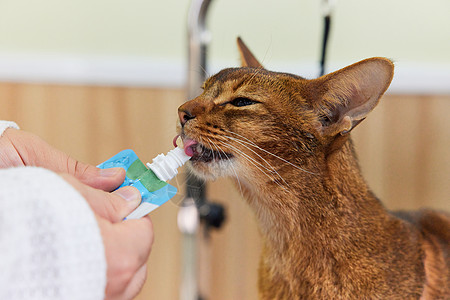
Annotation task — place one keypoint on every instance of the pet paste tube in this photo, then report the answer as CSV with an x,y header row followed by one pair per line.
x,y
151,181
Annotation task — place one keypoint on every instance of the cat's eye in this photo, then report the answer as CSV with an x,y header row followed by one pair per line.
x,y
239,102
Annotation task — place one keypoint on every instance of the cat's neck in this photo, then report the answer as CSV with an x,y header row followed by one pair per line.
x,y
315,207
329,224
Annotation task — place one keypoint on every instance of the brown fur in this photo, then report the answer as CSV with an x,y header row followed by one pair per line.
x,y
326,236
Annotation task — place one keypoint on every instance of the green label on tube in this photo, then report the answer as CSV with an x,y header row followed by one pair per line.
x,y
138,171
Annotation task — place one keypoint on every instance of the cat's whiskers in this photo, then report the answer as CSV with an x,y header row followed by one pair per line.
x,y
251,143
273,170
254,162
258,166
258,70
231,165
202,154
266,171
211,147
201,71
205,72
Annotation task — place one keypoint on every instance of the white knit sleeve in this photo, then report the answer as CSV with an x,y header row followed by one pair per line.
x,y
50,243
7,124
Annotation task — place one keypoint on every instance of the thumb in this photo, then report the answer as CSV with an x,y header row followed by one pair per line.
x,y
114,206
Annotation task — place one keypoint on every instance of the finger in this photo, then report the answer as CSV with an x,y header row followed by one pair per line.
x,y
9,156
34,151
104,179
111,206
133,198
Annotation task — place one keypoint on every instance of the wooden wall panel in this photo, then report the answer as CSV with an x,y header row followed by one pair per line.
x,y
403,150
94,123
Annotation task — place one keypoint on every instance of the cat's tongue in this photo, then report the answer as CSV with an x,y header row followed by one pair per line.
x,y
189,145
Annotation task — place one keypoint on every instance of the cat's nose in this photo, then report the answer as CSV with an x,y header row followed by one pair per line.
x,y
184,116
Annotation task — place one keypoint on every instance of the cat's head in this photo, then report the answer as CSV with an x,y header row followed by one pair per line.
x,y
253,123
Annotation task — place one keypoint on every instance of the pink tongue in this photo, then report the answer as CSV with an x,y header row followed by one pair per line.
x,y
175,140
189,147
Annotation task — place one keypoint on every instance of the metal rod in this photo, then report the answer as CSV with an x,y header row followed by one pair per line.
x,y
188,220
198,39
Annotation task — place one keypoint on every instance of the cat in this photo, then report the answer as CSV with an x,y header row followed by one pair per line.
x,y
286,142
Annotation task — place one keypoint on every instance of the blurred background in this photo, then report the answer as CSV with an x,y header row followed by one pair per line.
x,y
96,77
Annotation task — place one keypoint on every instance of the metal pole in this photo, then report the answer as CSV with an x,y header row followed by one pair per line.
x,y
188,215
198,38
188,220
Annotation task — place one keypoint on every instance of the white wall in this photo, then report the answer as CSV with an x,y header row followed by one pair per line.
x,y
138,42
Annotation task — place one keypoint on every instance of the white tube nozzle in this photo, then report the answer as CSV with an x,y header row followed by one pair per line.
x,y
165,166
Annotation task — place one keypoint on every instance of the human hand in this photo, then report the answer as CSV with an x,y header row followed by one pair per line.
x,y
21,148
127,244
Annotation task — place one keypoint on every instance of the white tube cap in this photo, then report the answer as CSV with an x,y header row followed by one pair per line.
x,y
165,166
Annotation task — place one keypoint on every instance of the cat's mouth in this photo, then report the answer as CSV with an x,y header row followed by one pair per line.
x,y
200,152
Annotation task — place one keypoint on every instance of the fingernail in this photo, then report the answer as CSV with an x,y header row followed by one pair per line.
x,y
130,194
111,172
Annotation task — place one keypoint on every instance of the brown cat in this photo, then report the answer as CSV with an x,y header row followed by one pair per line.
x,y
285,140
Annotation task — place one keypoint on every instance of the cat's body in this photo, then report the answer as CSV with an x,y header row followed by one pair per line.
x,y
325,235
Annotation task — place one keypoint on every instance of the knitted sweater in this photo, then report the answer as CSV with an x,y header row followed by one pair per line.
x,y
50,243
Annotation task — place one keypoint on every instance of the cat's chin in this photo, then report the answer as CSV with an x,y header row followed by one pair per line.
x,y
210,165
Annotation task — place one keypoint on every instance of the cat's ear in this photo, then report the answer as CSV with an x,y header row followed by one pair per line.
x,y
247,57
345,97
